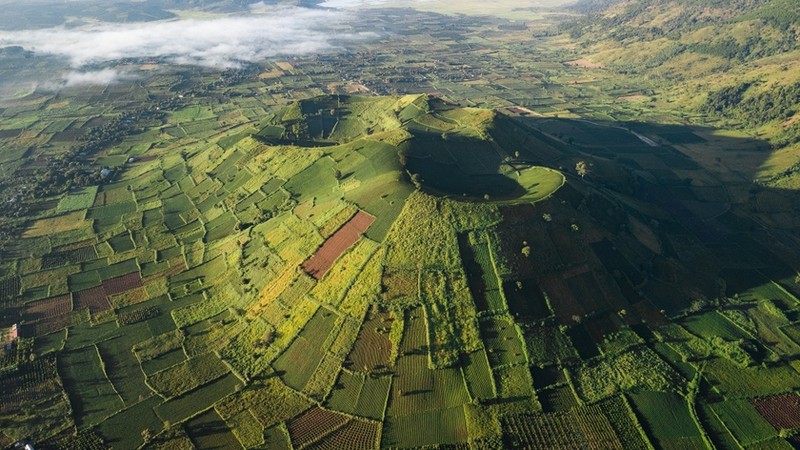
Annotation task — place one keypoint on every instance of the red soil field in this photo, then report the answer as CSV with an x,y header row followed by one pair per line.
x,y
95,299
47,308
121,284
313,424
338,243
782,411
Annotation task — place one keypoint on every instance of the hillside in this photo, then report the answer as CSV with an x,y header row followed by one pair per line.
x,y
735,60
400,272
458,231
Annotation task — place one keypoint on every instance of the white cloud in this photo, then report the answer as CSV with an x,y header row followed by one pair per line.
x,y
218,42
102,77
357,3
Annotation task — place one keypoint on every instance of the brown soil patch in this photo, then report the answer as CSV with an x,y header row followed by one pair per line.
x,y
121,284
782,411
94,298
313,425
321,261
48,308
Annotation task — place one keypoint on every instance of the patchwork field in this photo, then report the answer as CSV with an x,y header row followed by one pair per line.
x,y
457,237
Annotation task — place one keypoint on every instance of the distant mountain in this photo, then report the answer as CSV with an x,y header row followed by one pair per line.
x,y
738,59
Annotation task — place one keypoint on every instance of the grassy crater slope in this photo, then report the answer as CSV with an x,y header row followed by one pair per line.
x,y
445,149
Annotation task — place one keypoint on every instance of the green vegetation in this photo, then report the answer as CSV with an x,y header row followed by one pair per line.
x,y
552,241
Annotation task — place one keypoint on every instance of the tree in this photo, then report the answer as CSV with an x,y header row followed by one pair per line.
x,y
416,179
582,168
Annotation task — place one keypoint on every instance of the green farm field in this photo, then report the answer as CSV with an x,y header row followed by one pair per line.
x,y
456,226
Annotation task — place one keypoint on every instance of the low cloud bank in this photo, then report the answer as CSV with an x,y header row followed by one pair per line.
x,y
221,42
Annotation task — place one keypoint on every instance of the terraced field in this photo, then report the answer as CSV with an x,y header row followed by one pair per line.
x,y
339,271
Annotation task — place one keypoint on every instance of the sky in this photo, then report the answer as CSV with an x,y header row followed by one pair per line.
x,y
216,41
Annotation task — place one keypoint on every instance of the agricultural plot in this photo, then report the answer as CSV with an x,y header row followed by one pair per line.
x,y
743,421
364,396
588,292
583,342
246,428
556,399
208,430
48,308
121,243
666,419
77,200
478,375
95,299
514,383
122,283
373,398
50,343
32,381
298,363
122,369
187,405
372,348
733,380
342,275
59,224
782,411
92,396
355,434
564,303
268,400
337,244
183,377
138,315
712,324
636,369
446,426
417,388
503,342
124,428
578,428
313,425
73,256
9,288
525,299
483,280
345,393
46,326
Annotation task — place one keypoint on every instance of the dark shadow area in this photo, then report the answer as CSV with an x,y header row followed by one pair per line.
x,y
670,212
459,166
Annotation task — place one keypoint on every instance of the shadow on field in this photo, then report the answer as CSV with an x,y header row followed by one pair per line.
x,y
460,166
674,214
